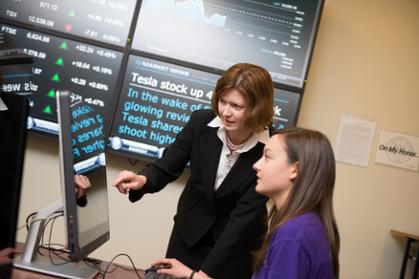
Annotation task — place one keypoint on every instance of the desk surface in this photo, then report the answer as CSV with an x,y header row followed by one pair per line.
x,y
117,273
404,234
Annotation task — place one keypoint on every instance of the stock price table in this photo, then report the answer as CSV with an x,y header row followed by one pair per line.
x,y
102,20
88,71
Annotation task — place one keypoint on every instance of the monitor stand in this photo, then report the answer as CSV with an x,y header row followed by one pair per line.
x,y
31,260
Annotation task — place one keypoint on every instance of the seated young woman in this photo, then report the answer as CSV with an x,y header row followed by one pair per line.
x,y
297,172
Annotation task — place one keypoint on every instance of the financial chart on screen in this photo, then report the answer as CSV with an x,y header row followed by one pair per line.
x,y
102,20
157,99
90,72
277,35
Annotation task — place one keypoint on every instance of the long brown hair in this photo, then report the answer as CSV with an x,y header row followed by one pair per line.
x,y
312,190
255,85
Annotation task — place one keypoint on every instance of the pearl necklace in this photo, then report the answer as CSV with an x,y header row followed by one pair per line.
x,y
234,147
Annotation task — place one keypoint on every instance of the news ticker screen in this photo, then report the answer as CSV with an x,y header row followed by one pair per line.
x,y
157,99
90,72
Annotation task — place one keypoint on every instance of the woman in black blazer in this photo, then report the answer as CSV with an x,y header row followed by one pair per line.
x,y
220,218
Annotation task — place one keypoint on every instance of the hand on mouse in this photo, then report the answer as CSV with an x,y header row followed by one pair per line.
x,y
172,267
175,268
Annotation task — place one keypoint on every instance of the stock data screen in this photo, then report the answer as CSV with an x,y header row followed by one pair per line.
x,y
88,71
155,102
277,35
102,20
157,99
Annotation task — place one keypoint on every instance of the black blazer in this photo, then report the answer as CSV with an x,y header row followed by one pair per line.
x,y
235,214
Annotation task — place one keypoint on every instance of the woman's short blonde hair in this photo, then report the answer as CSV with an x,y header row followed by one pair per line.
x,y
256,86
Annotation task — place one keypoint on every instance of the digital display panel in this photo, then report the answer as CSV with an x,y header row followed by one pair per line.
x,y
155,102
90,72
157,99
277,35
102,20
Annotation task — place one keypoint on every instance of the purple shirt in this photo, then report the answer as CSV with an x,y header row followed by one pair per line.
x,y
298,249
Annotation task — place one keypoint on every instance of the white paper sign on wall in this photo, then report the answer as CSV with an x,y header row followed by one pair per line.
x,y
398,150
354,140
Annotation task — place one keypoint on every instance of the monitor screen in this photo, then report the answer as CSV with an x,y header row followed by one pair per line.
x,y
286,108
155,102
13,113
157,99
102,20
82,147
278,35
89,71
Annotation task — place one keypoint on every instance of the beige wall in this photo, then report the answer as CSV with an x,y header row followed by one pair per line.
x,y
366,63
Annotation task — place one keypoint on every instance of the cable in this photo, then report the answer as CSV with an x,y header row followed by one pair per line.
x,y
96,266
58,252
62,247
29,217
49,243
30,222
95,263
51,218
114,258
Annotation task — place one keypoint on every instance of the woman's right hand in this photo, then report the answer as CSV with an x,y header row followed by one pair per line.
x,y
175,268
178,269
128,180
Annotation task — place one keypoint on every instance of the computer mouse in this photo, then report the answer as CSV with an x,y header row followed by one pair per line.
x,y
158,266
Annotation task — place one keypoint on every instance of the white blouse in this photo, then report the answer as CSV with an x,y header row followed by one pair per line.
x,y
229,158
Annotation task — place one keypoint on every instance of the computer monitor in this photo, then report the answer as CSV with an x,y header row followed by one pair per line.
x,y
102,21
82,145
277,35
13,114
60,63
